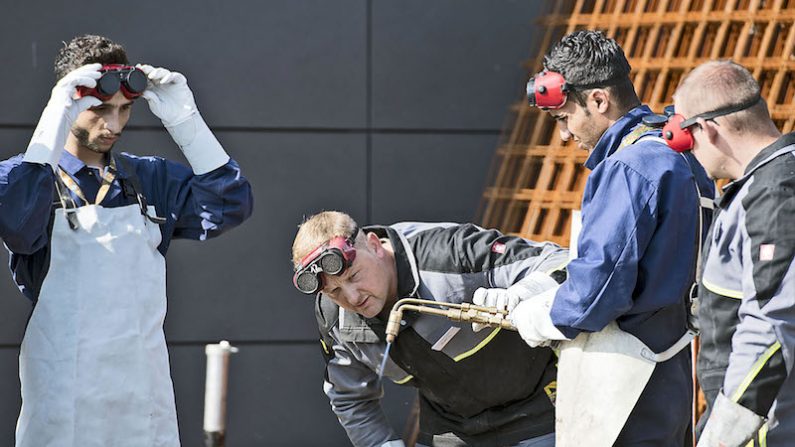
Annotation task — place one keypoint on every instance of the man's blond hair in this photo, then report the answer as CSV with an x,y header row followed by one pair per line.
x,y
720,83
319,229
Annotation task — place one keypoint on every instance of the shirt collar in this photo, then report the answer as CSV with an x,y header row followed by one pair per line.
x,y
72,165
611,139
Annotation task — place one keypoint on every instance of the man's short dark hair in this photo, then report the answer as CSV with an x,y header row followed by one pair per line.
x,y
590,59
88,49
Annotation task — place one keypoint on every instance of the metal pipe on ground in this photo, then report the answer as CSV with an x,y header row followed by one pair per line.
x,y
215,388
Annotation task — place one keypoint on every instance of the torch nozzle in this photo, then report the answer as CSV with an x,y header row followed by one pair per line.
x,y
393,325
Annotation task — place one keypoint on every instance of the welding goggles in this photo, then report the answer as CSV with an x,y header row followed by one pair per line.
x,y
331,258
676,132
131,80
547,90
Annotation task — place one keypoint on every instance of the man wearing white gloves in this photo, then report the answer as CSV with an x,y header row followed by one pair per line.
x,y
88,229
641,213
476,388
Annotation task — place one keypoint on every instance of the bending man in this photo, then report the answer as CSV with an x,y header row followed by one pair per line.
x,y
476,388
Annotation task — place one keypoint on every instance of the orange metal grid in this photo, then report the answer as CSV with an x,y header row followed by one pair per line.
x,y
536,181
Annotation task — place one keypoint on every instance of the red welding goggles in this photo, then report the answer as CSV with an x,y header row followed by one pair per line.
x,y
547,90
676,132
331,258
131,80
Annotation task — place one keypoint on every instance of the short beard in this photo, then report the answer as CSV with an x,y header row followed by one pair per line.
x,y
83,141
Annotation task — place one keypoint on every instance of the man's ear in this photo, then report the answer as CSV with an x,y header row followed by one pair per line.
x,y
710,130
373,243
600,99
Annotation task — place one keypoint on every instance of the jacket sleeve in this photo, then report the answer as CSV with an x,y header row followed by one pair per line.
x,y
26,195
618,223
197,207
351,386
471,251
355,395
763,344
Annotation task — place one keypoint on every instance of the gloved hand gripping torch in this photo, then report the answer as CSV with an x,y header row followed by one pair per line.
x,y
465,312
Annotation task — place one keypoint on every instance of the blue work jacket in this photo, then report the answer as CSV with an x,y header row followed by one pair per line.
x,y
195,206
636,265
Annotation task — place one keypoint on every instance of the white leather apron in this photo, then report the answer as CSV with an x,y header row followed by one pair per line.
x,y
93,364
601,376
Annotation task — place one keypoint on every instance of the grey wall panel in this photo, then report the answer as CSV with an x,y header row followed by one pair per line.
x,y
14,307
429,177
449,63
9,394
252,64
238,286
275,398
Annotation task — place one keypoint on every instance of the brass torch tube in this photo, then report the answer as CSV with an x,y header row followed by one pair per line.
x,y
457,312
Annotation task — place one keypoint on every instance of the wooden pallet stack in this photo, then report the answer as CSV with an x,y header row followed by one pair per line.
x,y
536,181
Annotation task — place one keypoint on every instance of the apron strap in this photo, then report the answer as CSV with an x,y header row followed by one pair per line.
x,y
108,177
131,187
65,201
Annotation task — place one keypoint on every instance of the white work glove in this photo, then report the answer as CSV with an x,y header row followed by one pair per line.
x,y
531,318
730,423
49,138
507,299
171,100
394,443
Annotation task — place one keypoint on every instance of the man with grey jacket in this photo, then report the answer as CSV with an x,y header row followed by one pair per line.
x,y
484,387
747,293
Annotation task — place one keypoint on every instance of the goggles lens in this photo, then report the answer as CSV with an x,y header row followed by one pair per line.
x,y
676,132
332,262
307,282
331,258
677,137
547,90
130,80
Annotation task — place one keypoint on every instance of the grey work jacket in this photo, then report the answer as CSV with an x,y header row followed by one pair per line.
x,y
747,293
489,387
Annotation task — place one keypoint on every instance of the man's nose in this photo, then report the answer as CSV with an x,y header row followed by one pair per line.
x,y
350,294
112,122
565,135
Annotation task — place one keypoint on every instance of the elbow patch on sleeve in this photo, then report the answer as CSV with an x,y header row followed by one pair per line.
x,y
761,386
770,212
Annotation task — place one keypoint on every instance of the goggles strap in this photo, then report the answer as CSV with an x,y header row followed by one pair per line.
x,y
720,112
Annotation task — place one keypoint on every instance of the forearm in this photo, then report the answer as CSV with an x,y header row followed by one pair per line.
x,y
355,395
364,422
213,203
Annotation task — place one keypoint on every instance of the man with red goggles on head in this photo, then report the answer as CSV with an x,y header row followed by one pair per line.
x,y
747,284
87,229
477,386
641,231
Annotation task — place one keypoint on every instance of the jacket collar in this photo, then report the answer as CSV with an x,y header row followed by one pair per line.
x,y
610,140
769,153
766,155
407,274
